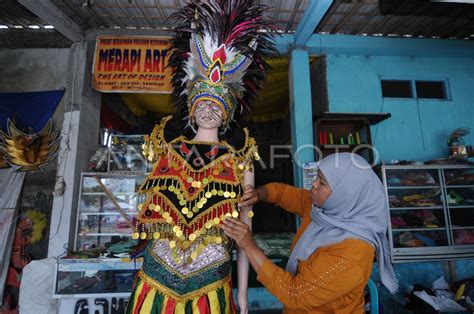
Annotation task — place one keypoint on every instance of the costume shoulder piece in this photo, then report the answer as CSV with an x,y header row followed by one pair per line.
x,y
246,152
156,144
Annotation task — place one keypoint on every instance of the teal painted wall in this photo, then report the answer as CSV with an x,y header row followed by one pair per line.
x,y
418,129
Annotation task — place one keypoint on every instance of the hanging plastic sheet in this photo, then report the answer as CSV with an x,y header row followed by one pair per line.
x,y
10,187
29,110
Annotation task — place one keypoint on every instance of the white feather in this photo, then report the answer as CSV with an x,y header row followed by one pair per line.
x,y
211,45
189,69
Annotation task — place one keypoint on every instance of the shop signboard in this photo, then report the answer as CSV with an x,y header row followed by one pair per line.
x,y
132,64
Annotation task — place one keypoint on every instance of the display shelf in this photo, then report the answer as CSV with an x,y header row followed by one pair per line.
x,y
108,213
461,206
417,229
343,134
102,193
459,186
415,208
82,278
106,210
412,187
102,234
337,146
443,231
340,146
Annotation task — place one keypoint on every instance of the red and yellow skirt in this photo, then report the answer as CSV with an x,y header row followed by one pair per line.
x,y
150,297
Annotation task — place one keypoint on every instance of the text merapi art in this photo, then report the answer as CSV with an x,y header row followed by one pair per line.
x,y
130,60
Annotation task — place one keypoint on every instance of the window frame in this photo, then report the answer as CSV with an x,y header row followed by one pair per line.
x,y
444,81
446,89
410,82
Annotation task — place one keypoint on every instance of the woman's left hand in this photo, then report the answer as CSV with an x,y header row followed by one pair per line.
x,y
239,231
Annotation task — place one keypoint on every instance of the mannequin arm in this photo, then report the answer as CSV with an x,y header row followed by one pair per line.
x,y
242,259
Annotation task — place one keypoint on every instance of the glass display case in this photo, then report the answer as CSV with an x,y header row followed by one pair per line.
x,y
125,154
108,203
431,212
79,278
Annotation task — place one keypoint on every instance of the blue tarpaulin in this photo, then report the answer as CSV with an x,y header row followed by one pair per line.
x,y
31,109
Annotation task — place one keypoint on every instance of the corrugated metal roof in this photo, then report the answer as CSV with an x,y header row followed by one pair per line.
x,y
364,17
13,14
355,17
154,14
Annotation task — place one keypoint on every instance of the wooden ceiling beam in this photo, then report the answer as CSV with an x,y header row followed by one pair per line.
x,y
52,15
93,15
87,20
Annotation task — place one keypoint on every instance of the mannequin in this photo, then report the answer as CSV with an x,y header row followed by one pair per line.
x,y
189,259
199,176
209,119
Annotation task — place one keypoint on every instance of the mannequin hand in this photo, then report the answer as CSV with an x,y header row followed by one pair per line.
x,y
242,301
252,195
239,231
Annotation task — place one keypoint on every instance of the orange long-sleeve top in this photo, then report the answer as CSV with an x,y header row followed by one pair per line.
x,y
333,278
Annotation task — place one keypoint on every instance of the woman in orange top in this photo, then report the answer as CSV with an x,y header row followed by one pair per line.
x,y
344,221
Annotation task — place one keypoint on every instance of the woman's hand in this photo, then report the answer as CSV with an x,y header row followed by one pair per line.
x,y
252,195
240,232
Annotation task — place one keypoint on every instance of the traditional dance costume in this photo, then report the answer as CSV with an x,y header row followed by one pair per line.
x,y
193,186
217,59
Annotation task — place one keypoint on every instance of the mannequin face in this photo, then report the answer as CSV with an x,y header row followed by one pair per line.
x,y
208,115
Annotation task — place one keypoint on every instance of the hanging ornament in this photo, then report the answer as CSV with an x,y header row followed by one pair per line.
x,y
3,163
29,152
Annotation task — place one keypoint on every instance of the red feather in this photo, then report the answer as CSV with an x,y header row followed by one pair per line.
x,y
220,54
239,28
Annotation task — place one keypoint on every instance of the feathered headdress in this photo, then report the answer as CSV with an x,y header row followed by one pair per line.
x,y
218,56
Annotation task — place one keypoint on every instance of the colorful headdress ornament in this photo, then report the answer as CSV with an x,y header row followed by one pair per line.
x,y
218,56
